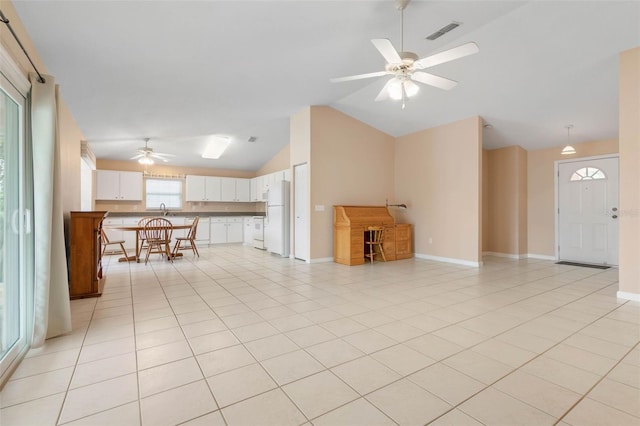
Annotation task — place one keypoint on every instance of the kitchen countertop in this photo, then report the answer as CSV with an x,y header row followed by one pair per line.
x,y
182,214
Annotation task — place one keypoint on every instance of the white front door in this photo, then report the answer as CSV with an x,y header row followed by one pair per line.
x,y
588,211
301,210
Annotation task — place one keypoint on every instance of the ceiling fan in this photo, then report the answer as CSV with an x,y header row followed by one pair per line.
x,y
404,66
146,155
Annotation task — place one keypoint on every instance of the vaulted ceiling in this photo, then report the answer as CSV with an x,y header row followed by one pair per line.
x,y
175,70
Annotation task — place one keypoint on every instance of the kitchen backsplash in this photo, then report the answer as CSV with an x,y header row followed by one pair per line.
x,y
139,207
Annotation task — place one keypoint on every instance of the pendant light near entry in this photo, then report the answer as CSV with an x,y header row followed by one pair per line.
x,y
568,150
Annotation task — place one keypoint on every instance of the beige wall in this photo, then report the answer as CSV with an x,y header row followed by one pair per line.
x,y
438,174
486,199
351,163
505,204
168,171
70,134
630,172
279,162
541,192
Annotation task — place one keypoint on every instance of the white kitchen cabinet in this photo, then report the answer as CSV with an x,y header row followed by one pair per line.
x,y
261,188
113,234
202,231
129,237
203,188
243,190
118,185
247,223
235,189
177,221
253,190
226,230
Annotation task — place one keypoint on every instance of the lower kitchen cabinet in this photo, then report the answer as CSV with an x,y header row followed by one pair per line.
x,y
202,232
226,230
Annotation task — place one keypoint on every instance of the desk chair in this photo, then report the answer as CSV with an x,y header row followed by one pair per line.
x,y
375,239
189,241
106,242
157,232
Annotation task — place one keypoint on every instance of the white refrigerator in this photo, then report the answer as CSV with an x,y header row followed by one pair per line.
x,y
277,221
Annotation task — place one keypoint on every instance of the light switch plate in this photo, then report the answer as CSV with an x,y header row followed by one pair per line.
x,y
319,207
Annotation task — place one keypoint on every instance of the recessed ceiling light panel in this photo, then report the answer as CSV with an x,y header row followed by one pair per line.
x,y
216,146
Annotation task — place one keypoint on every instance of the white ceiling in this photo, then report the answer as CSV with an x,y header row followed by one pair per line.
x,y
173,70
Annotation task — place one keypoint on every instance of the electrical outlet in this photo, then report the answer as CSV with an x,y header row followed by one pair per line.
x,y
430,240
319,207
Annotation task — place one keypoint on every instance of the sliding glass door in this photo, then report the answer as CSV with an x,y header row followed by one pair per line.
x,y
14,229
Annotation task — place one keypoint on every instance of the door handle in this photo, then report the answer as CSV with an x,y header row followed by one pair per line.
x,y
615,216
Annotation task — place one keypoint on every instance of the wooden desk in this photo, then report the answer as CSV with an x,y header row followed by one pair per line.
x,y
137,230
349,225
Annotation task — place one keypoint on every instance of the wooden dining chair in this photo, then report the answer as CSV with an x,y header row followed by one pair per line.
x,y
106,242
142,241
375,239
188,242
157,232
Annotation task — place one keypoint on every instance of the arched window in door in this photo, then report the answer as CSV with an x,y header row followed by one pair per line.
x,y
588,173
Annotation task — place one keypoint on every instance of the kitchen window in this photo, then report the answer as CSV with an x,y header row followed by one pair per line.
x,y
167,191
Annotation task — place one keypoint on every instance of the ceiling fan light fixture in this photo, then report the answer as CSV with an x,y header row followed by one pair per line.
x,y
146,161
568,149
216,146
396,88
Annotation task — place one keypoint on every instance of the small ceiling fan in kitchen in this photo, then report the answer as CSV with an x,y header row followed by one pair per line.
x,y
146,155
404,67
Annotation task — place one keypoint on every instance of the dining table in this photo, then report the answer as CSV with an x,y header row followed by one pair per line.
x,y
138,229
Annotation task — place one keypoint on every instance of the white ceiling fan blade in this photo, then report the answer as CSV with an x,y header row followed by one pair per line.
x,y
434,80
358,77
387,50
135,157
161,154
448,55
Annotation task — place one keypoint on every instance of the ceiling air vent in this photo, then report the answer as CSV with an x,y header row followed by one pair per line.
x,y
442,31
252,139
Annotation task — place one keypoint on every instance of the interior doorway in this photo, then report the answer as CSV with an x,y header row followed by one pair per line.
x,y
587,216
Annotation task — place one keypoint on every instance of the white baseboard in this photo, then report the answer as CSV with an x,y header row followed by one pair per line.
x,y
507,255
448,260
321,260
540,256
628,296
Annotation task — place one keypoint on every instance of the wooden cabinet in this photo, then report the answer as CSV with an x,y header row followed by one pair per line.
x,y
404,241
349,226
85,262
203,188
117,185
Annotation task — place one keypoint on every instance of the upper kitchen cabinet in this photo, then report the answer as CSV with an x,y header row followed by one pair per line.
x,y
117,185
236,189
203,188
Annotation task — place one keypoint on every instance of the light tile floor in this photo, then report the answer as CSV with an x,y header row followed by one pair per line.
x,y
240,337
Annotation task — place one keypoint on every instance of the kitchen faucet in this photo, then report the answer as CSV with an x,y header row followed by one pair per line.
x,y
163,209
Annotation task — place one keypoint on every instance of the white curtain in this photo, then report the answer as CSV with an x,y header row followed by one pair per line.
x,y
52,310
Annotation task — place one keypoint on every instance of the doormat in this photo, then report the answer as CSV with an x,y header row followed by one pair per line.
x,y
586,265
